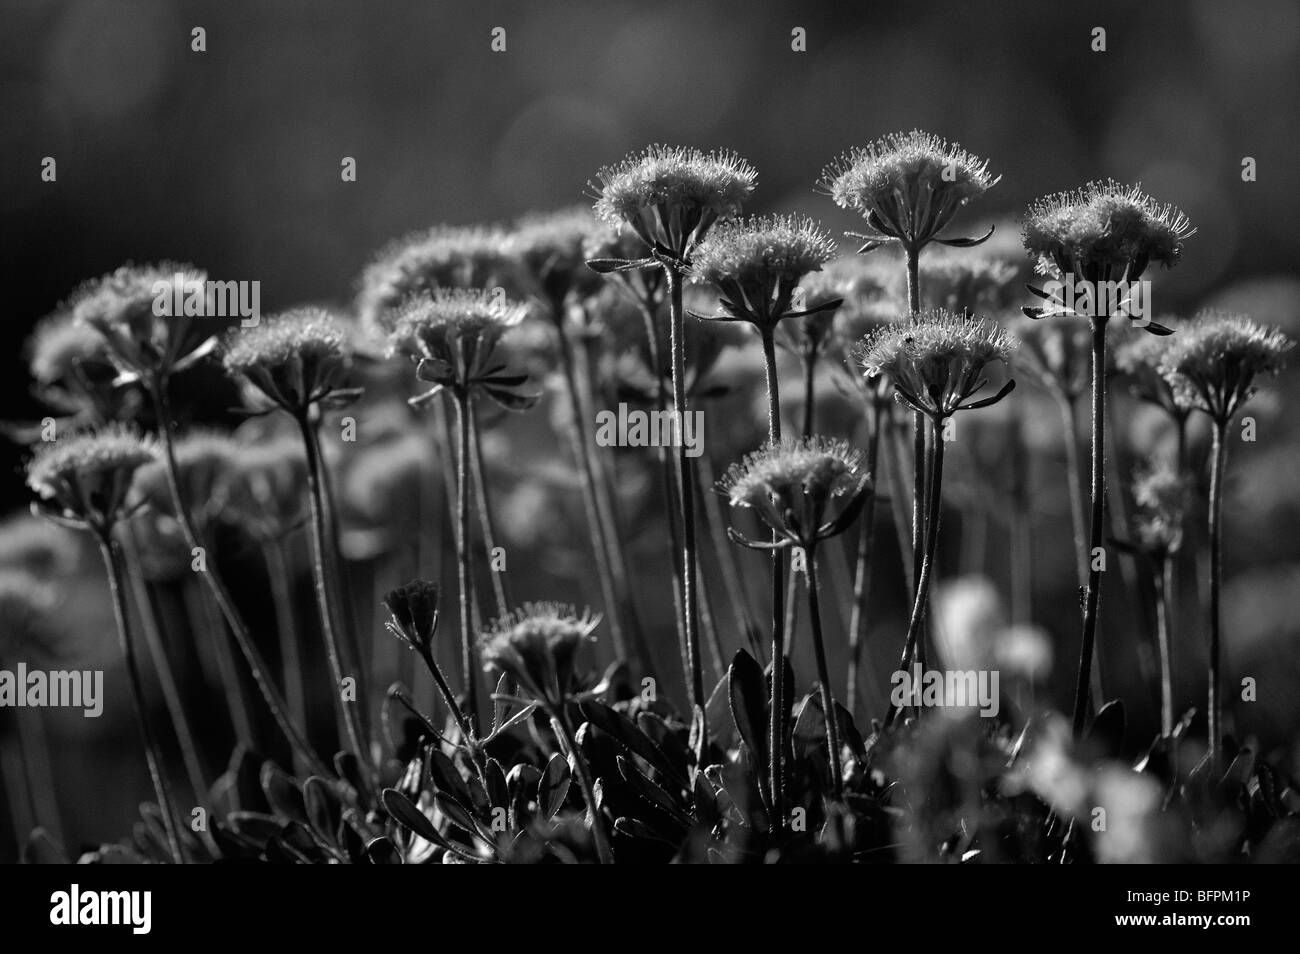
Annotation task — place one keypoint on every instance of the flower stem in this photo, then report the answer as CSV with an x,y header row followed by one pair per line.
x,y
324,585
464,426
1092,596
728,568
1071,422
862,563
779,707
931,518
823,675
486,524
560,722
286,627
113,565
1164,582
1219,460
216,585
686,498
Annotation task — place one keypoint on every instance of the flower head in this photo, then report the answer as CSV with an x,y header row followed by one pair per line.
x,y
294,360
1104,231
413,612
907,185
970,281
937,360
757,264
1215,362
670,196
791,484
452,336
70,364
1162,495
537,646
206,459
1137,357
552,248
444,256
84,479
134,308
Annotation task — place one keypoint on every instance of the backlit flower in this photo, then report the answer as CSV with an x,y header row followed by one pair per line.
x,y
1215,362
537,646
294,360
84,479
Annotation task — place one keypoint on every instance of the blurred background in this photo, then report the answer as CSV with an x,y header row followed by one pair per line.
x,y
230,158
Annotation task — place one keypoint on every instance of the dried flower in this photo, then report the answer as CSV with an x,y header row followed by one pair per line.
x,y
757,264
452,336
908,186
84,479
294,360
791,485
1104,231
133,309
537,646
414,614
670,196
444,256
1215,362
937,360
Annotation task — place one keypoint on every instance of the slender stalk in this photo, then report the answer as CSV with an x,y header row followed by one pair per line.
x,y
560,723
166,678
1071,422
727,566
320,571
779,706
809,416
823,675
707,628
1092,596
927,561
117,586
286,627
898,497
918,447
212,579
690,594
464,427
862,563
208,616
1022,564
1219,460
1164,581
487,525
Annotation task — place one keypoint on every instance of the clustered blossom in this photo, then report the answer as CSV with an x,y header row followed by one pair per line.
x,y
937,360
670,196
537,646
124,307
444,256
1138,358
84,479
907,185
1215,362
757,264
69,362
790,485
1104,231
453,336
294,360
1162,495
552,251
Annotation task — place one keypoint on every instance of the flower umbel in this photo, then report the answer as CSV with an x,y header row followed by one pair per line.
x,y
937,360
537,646
84,479
908,186
294,360
791,485
1162,495
1215,362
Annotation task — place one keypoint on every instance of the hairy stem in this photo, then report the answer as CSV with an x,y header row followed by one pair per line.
x,y
1164,579
487,526
779,706
286,627
1219,460
113,566
464,427
1092,595
862,562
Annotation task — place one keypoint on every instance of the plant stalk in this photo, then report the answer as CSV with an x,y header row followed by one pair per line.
x,y
1092,595
823,675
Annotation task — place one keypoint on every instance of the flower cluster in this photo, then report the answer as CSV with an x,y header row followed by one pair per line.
x,y
294,360
537,646
84,479
1215,362
1163,496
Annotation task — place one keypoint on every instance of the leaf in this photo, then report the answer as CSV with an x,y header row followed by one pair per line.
x,y
553,788
967,242
986,402
608,266
747,693
324,810
621,729
381,851
445,776
405,812
510,400
283,794
498,792
650,793
460,817
1157,329
1107,729
849,734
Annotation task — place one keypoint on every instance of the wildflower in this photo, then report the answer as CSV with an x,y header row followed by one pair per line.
x,y
205,460
908,186
937,360
791,485
294,360
131,308
670,196
1138,357
974,281
413,609
552,250
441,257
757,264
69,362
1215,363
1104,231
1163,496
537,646
646,286
453,337
84,479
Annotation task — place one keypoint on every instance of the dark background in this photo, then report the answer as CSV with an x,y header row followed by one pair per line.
x,y
231,159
